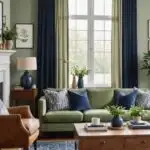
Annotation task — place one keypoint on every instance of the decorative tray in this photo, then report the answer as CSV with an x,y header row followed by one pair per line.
x,y
140,125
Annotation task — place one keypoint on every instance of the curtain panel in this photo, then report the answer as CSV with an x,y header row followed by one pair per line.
x,y
62,67
129,44
46,48
116,43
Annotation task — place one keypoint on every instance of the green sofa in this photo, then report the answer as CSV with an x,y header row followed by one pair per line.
x,y
63,120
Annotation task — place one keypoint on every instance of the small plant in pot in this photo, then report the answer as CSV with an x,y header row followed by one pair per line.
x,y
136,112
116,112
8,36
80,73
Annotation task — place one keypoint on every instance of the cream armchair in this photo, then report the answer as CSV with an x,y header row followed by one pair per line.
x,y
19,129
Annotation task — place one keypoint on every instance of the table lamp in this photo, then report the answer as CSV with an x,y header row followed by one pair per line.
x,y
27,63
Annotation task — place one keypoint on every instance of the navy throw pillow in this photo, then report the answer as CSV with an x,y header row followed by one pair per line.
x,y
126,100
79,101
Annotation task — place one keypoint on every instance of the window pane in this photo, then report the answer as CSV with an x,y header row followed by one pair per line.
x,y
72,7
98,35
81,35
81,7
98,46
99,7
107,66
72,35
108,46
98,25
108,25
107,35
108,7
77,24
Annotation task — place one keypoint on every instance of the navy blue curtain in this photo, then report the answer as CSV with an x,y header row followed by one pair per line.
x,y
129,44
46,47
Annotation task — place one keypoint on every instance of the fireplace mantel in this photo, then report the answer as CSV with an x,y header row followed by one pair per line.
x,y
5,74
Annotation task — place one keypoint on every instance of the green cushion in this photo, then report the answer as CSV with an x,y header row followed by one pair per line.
x,y
103,114
99,98
63,116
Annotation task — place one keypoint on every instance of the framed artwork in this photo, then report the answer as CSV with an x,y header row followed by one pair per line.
x,y
148,24
148,45
24,36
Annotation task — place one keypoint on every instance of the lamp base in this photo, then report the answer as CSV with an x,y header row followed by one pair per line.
x,y
26,80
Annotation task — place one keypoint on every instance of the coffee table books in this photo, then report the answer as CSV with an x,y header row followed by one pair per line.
x,y
90,127
138,125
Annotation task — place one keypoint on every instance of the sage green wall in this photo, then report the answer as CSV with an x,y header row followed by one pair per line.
x,y
23,11
143,14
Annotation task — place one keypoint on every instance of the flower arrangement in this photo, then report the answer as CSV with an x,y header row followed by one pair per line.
x,y
80,72
115,110
137,111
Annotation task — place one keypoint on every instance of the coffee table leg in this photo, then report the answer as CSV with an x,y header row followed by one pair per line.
x,y
76,145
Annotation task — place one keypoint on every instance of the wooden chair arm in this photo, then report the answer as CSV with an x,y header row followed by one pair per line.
x,y
24,111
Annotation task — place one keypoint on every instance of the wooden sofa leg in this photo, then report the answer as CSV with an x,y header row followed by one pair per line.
x,y
35,145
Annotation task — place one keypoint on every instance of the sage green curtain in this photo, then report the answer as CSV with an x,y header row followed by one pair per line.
x,y
62,43
116,44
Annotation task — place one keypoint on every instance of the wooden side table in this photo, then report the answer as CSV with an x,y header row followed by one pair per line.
x,y
24,95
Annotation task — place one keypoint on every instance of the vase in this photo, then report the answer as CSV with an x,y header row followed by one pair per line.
x,y
74,83
9,44
80,82
137,118
117,121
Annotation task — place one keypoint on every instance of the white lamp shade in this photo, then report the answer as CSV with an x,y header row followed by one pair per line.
x,y
27,63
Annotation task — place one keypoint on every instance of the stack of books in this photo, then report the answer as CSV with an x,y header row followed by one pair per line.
x,y
138,125
90,127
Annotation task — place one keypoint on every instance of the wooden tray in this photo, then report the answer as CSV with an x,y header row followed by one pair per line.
x,y
116,128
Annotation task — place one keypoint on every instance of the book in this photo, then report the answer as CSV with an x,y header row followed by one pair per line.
x,y
90,127
139,125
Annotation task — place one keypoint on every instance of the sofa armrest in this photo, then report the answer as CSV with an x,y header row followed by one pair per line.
x,y
11,125
24,111
41,106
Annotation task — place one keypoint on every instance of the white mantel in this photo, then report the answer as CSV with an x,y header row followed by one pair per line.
x,y
5,74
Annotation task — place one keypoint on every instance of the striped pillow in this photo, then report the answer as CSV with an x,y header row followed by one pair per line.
x,y
56,100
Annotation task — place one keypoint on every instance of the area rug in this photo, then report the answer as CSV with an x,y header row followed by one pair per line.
x,y
55,145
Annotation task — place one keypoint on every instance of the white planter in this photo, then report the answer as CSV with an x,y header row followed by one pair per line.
x,y
9,44
137,118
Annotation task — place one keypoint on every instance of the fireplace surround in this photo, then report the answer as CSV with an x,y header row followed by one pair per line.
x,y
5,75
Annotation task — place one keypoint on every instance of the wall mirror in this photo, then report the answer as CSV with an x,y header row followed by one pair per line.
x,y
1,20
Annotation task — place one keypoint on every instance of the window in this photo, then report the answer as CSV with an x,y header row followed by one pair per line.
x,y
90,39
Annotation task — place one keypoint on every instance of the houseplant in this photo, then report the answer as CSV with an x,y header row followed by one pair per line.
x,y
80,73
8,36
116,112
137,112
146,62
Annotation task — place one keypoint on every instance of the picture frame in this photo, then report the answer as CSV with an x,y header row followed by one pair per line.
x,y
148,44
25,36
148,28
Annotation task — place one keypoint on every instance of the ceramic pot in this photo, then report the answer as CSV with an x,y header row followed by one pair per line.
x,y
117,121
137,118
80,82
74,83
9,44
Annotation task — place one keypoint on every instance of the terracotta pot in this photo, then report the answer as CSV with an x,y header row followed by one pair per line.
x,y
74,83
137,118
9,44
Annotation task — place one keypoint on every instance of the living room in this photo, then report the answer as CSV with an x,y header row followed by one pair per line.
x,y
58,55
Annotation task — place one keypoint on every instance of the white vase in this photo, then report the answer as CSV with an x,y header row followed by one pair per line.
x,y
137,118
9,44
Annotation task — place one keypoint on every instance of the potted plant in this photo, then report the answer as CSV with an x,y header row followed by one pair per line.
x,y
116,112
136,112
8,36
80,72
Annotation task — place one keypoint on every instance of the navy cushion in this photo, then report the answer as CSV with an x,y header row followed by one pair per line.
x,y
79,101
126,100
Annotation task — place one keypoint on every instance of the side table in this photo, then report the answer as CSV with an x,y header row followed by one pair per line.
x,y
24,95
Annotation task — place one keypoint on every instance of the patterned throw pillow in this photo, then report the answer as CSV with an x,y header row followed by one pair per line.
x,y
143,99
56,100
3,109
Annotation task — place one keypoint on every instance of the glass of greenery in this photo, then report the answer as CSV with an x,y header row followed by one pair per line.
x,y
116,112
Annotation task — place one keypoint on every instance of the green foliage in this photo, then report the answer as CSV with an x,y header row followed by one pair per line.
x,y
136,111
80,72
9,34
115,110
146,62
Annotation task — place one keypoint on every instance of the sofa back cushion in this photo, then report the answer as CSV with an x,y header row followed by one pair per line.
x,y
100,97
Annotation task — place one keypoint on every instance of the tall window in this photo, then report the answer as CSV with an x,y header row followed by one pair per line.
x,y
90,39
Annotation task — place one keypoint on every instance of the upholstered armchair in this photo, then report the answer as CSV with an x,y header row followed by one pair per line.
x,y
19,129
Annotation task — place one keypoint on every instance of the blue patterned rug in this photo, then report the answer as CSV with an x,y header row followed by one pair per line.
x,y
55,145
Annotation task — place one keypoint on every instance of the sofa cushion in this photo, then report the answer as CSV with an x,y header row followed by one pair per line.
x,y
56,100
3,109
79,101
32,125
99,98
63,117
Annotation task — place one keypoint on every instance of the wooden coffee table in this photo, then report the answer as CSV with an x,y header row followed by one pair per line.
x,y
126,139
